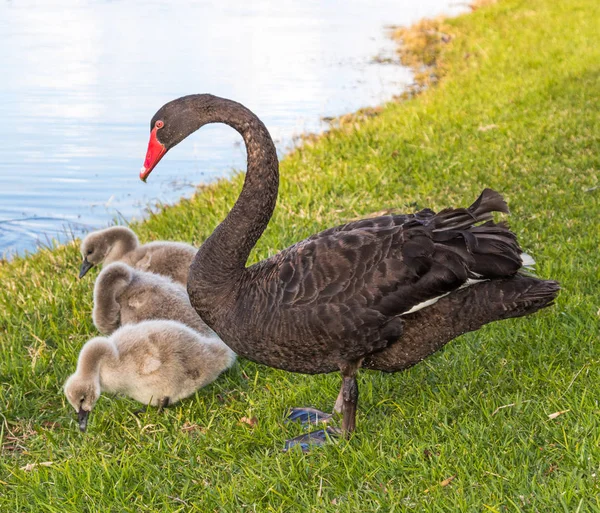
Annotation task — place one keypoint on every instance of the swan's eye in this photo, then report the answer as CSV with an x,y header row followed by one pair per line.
x,y
159,124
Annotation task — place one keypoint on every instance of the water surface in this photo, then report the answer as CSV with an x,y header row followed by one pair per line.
x,y
81,80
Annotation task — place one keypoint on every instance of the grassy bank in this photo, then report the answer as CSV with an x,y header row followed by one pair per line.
x,y
516,109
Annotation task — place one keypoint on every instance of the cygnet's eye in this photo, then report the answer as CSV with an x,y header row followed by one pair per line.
x,y
90,251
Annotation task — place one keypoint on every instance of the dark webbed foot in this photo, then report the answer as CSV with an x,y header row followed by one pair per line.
x,y
141,411
314,439
308,416
163,403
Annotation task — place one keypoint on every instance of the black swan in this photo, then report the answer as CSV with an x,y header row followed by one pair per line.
x,y
341,299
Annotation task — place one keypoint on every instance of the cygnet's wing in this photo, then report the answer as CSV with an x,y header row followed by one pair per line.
x,y
145,263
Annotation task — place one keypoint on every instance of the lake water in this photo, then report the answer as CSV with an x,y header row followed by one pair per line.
x,y
81,80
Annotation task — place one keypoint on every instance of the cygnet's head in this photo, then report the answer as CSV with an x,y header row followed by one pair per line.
x,y
82,393
96,246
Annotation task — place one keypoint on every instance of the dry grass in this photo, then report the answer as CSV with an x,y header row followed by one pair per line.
x,y
420,47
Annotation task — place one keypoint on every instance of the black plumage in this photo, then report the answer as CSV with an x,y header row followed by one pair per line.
x,y
345,296
468,309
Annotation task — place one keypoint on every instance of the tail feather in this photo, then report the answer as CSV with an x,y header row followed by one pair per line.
x,y
524,295
481,210
467,245
489,249
489,201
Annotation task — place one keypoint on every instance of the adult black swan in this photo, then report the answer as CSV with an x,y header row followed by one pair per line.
x,y
340,299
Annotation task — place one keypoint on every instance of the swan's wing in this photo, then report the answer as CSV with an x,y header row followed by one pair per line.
x,y
358,267
138,299
145,263
386,221
149,365
149,360
391,263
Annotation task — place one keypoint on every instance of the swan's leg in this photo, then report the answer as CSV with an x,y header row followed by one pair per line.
x,y
347,401
163,403
349,396
314,416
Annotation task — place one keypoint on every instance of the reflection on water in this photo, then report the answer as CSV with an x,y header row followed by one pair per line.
x,y
81,80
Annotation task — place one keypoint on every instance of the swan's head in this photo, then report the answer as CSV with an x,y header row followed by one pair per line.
x,y
99,245
82,394
174,121
94,249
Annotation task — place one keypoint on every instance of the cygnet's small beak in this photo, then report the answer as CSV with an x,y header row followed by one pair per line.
x,y
85,267
82,417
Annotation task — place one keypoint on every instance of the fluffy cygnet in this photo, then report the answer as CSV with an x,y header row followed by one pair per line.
x,y
120,244
123,295
153,362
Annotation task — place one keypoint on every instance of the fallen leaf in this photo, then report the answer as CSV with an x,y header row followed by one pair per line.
x,y
188,427
252,421
30,466
445,482
448,480
556,414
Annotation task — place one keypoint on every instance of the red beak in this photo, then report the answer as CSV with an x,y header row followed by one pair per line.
x,y
155,152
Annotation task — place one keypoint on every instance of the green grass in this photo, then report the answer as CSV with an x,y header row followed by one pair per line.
x,y
528,73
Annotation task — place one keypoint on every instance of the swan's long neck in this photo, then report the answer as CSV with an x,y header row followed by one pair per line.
x,y
221,260
94,354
